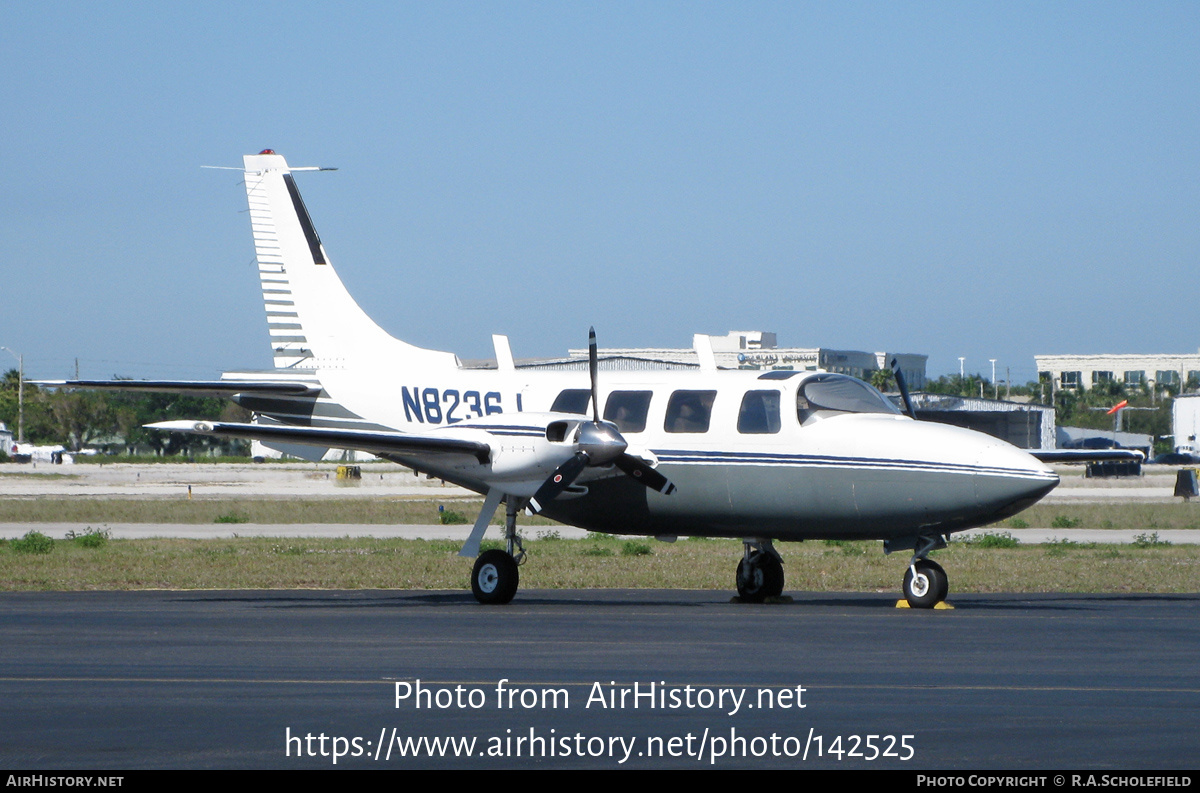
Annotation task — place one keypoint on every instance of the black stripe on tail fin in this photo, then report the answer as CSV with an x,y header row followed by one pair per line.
x,y
310,231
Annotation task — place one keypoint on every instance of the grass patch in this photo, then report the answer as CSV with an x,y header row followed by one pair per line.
x,y
30,475
1018,523
384,510
369,563
990,540
149,459
849,547
635,548
1060,547
1125,516
232,517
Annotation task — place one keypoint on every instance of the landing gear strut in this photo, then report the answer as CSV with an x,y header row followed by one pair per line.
x,y
760,573
496,576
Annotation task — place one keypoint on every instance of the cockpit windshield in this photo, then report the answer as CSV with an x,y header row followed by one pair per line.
x,y
840,393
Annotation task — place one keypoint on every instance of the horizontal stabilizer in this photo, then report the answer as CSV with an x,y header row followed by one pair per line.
x,y
1087,455
214,388
375,442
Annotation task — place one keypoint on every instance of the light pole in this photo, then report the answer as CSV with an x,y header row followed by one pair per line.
x,y
20,394
995,388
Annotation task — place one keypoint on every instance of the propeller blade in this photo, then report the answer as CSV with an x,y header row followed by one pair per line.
x,y
559,481
899,375
598,443
640,471
594,372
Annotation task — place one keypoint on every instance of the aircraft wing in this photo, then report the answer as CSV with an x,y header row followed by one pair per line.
x,y
374,441
204,388
1087,455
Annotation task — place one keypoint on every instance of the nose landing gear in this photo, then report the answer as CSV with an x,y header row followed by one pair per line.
x,y
925,584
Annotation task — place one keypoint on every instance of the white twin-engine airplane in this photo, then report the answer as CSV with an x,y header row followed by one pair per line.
x,y
758,456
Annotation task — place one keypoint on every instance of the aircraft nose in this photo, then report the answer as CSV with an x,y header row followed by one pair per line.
x,y
1010,479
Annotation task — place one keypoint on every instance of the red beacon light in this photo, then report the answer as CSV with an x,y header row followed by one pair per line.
x,y
267,151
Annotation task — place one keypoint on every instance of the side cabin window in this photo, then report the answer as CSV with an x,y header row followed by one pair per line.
x,y
572,400
759,414
837,393
689,411
627,409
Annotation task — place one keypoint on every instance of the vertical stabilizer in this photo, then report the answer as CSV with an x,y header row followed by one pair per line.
x,y
314,322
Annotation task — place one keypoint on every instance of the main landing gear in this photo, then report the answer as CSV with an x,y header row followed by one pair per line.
x,y
496,574
925,582
760,573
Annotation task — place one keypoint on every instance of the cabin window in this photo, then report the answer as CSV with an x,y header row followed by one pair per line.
x,y
572,400
689,411
627,409
760,413
837,393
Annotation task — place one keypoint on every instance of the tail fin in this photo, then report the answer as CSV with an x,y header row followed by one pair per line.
x,y
314,322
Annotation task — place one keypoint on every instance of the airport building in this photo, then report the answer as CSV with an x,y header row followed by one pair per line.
x,y
753,349
1025,425
1086,371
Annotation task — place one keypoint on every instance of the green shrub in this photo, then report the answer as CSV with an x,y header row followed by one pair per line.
x,y
1064,522
33,542
90,538
232,517
634,548
448,517
1001,540
1057,547
1149,541
1018,523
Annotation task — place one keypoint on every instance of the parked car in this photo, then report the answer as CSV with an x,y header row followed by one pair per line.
x,y
1175,458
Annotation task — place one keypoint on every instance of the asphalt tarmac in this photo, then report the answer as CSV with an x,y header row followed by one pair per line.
x,y
131,680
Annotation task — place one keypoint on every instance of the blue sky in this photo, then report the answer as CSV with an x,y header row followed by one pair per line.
x,y
987,180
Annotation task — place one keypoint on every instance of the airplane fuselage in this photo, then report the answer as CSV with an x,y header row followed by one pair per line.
x,y
828,474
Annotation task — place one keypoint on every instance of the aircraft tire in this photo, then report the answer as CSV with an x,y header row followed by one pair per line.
x,y
495,577
761,579
928,588
943,579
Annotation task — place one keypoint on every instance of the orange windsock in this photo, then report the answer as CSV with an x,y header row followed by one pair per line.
x,y
1117,407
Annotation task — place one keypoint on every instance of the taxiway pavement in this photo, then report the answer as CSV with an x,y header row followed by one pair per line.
x,y
128,680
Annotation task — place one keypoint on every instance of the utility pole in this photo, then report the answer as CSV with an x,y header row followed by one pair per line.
x,y
20,394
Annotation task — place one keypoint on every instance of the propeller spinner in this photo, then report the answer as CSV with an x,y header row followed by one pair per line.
x,y
597,443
